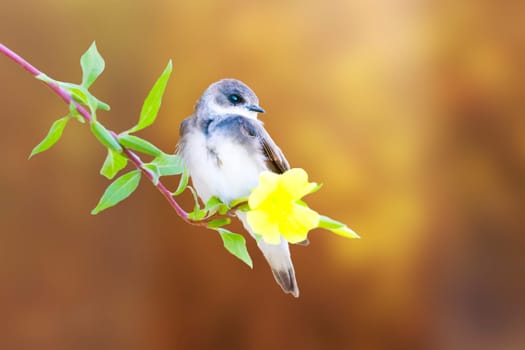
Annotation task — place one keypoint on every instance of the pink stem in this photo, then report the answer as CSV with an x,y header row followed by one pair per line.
x,y
135,159
57,89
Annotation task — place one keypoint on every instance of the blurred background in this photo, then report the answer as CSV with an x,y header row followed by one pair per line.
x,y
410,112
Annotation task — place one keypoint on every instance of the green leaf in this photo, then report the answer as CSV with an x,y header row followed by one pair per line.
x,y
236,245
119,190
53,135
78,92
151,105
336,227
73,112
243,207
102,105
197,213
92,65
316,188
139,144
105,137
238,201
215,205
113,164
81,95
169,164
153,169
240,204
185,176
212,203
219,222
195,198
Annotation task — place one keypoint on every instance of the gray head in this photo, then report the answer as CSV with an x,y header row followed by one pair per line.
x,y
228,96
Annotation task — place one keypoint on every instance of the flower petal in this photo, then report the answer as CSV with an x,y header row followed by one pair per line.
x,y
296,183
309,217
262,224
267,185
295,228
277,209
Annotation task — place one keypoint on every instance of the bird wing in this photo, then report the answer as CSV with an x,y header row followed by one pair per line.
x,y
275,159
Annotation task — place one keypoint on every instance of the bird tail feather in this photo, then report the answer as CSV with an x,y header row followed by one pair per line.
x,y
279,259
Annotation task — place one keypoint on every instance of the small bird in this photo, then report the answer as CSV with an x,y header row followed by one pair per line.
x,y
225,148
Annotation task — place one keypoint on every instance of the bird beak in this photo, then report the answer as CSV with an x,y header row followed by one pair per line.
x,y
255,108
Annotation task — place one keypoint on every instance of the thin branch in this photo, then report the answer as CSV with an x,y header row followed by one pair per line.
x,y
135,159
35,72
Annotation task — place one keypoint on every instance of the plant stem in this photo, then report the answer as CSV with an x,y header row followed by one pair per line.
x,y
135,159
35,72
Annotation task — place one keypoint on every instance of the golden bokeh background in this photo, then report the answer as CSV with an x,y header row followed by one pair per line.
x,y
410,112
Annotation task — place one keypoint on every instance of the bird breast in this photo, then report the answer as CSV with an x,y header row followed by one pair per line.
x,y
221,165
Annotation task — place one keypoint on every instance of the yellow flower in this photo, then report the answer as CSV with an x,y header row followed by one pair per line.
x,y
276,208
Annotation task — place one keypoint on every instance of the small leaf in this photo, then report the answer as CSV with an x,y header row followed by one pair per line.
x,y
138,144
197,214
153,169
105,137
94,103
238,201
169,164
53,135
113,164
215,205
243,207
219,222
316,188
185,176
223,209
240,204
73,112
92,65
195,198
213,201
336,227
119,190
102,105
236,245
152,103
80,94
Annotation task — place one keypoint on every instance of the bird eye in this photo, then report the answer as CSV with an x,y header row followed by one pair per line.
x,y
235,99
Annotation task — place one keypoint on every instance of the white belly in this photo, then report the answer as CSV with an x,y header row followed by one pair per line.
x,y
230,172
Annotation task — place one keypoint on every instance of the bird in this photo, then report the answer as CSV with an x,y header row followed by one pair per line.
x,y
225,147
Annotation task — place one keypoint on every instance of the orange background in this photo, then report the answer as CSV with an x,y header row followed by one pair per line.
x,y
410,112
